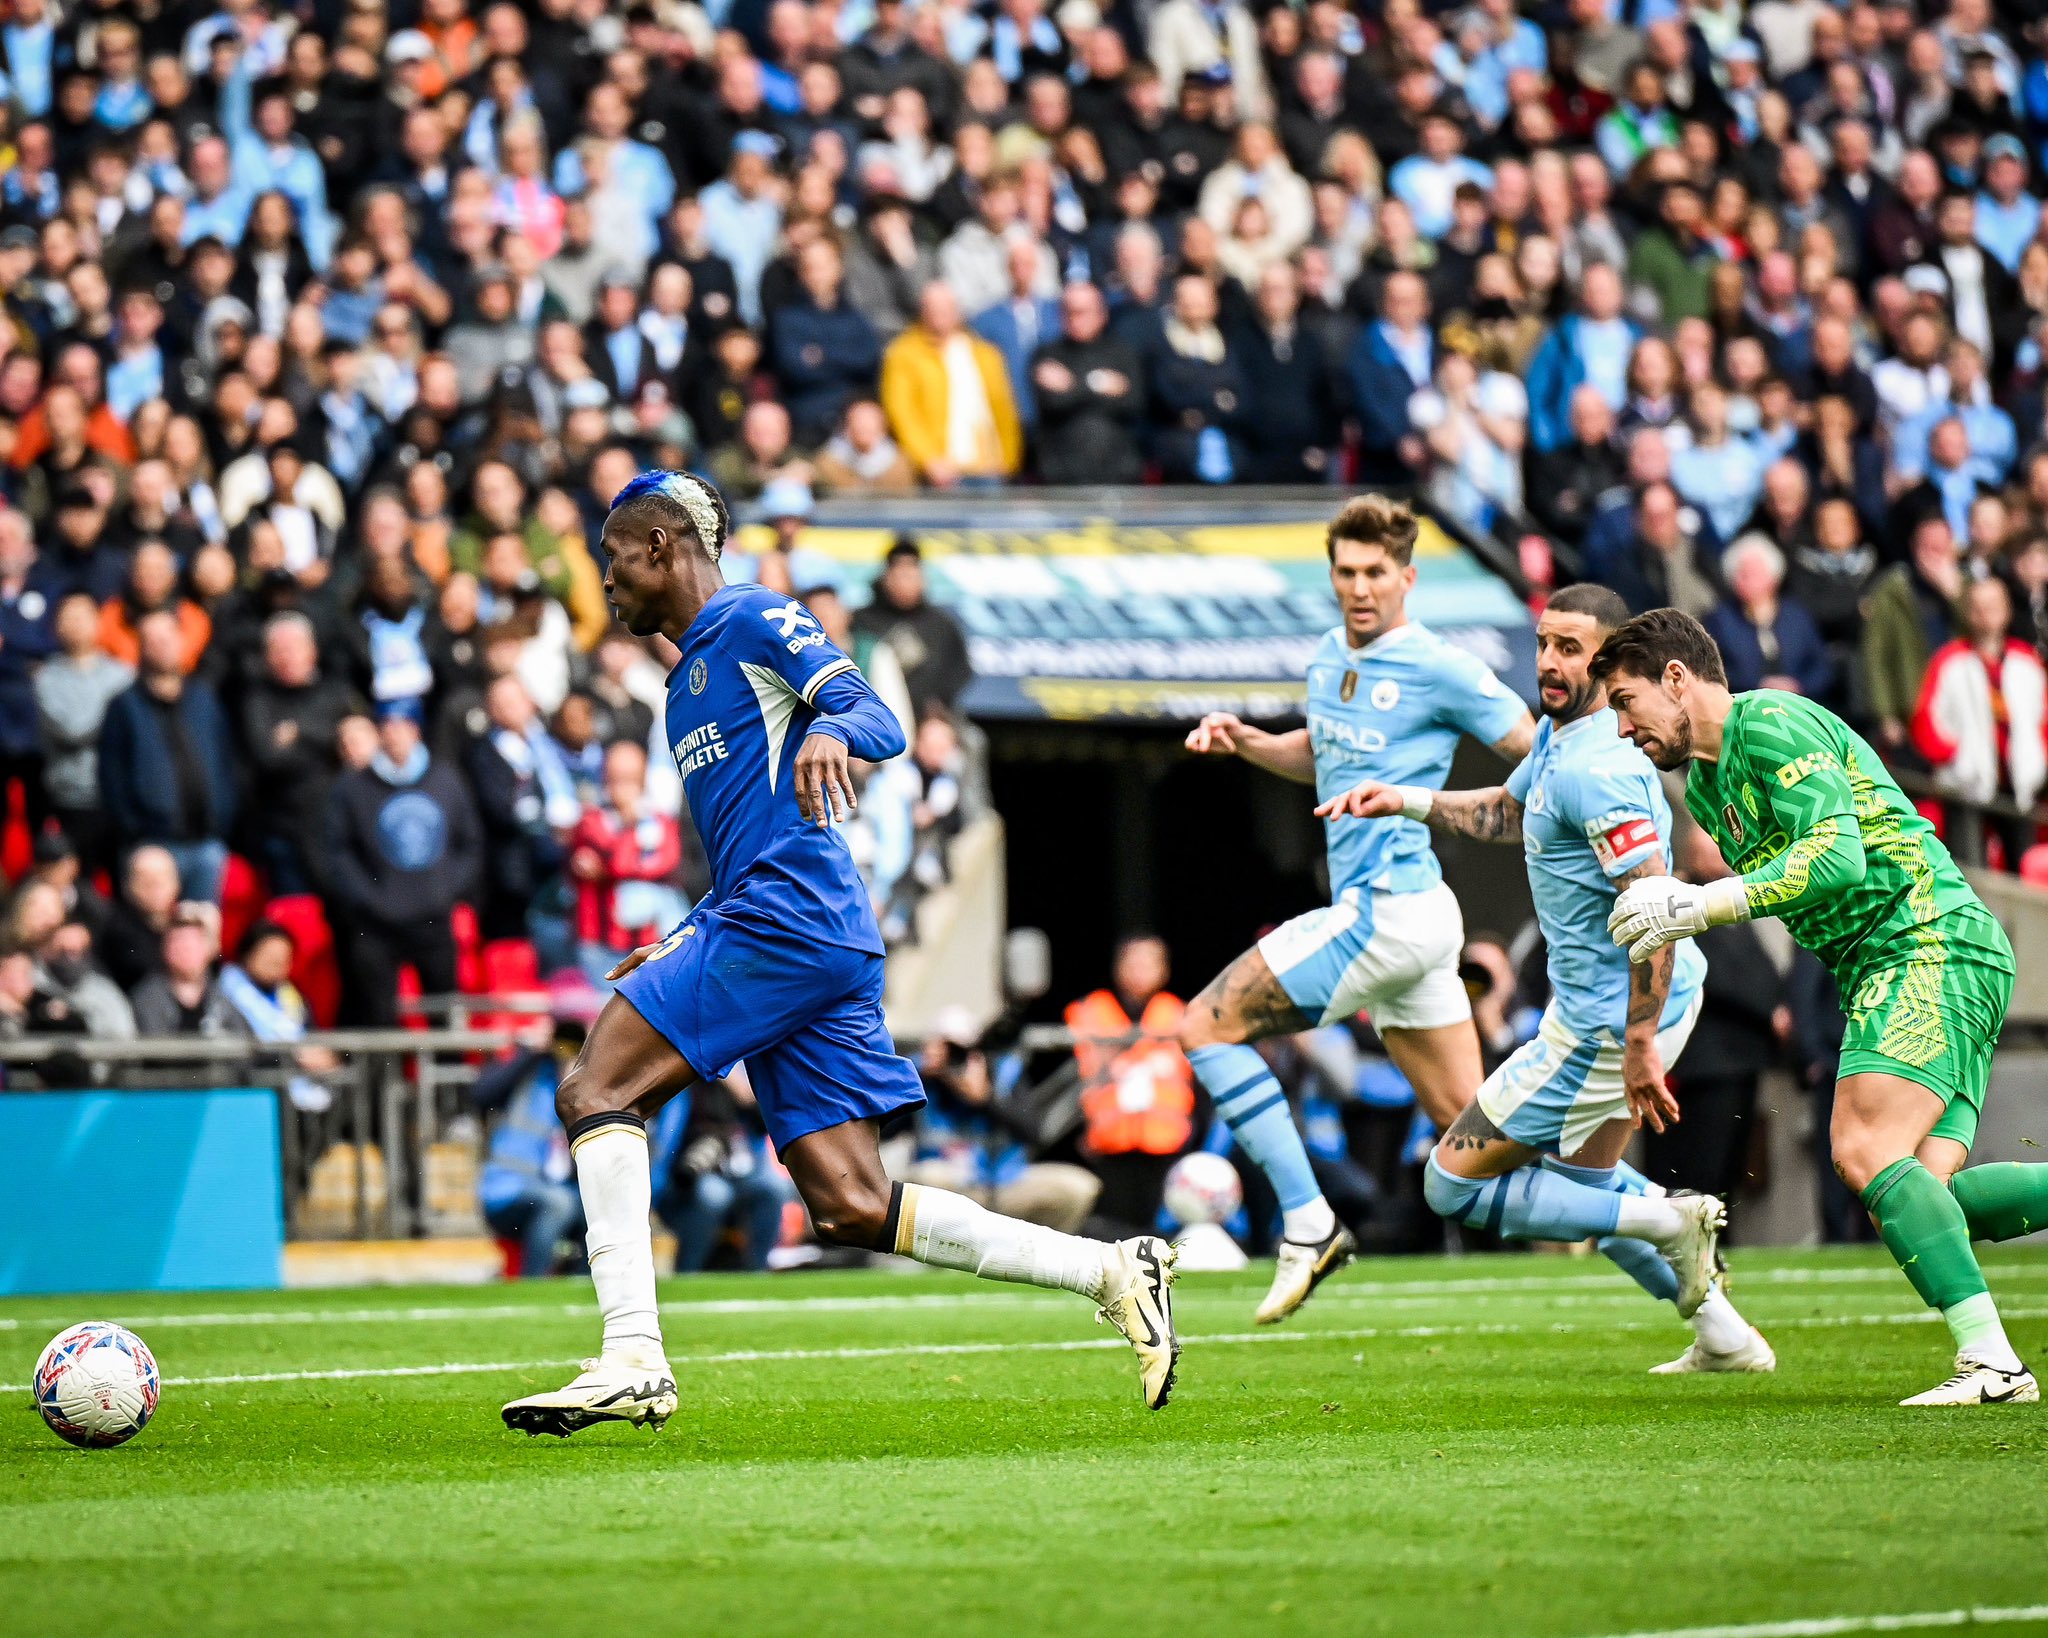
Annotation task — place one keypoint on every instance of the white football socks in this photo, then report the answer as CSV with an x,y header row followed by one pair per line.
x,y
1649,1217
612,1176
1308,1225
948,1230
1719,1328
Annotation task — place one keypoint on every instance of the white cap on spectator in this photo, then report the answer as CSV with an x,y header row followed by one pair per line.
x,y
408,45
1503,395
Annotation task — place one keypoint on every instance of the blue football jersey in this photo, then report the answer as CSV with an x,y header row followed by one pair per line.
x,y
1393,711
740,702
1592,809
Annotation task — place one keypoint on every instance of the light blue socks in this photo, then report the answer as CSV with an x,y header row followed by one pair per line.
x,y
1255,1109
1530,1203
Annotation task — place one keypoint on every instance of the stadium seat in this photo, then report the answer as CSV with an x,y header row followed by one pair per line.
x,y
17,847
505,965
315,971
468,941
243,893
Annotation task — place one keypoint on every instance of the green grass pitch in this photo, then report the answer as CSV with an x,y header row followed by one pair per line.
x,y
1466,1447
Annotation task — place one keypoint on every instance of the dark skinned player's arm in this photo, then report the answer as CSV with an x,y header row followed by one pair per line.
x,y
850,711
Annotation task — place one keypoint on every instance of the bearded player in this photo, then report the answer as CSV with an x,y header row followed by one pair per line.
x,y
1538,1154
780,966
1388,700
1824,839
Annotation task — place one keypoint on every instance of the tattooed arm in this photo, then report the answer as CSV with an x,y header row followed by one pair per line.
x,y
1649,987
1491,815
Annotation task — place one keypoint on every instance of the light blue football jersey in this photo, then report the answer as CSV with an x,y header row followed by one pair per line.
x,y
1592,809
1393,711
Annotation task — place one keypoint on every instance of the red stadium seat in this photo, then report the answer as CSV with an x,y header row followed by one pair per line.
x,y
315,971
505,965
17,847
468,942
242,896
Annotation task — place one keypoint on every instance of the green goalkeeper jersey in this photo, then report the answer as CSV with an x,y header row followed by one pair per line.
x,y
1823,836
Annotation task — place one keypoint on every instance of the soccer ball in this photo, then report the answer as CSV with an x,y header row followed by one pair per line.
x,y
1202,1188
97,1384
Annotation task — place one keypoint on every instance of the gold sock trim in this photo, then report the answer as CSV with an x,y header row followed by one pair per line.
x,y
906,1220
605,1131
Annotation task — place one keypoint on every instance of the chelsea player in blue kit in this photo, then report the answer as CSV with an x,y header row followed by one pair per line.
x,y
1538,1154
1387,699
779,966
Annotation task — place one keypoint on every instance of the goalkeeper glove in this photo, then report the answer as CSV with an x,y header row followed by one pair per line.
x,y
1659,910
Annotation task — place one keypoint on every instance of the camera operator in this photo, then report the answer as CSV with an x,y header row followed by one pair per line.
x,y
711,1157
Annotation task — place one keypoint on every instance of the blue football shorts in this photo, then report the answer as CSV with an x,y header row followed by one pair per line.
x,y
805,1018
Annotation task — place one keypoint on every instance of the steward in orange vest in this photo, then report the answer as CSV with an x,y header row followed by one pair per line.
x,y
1138,1096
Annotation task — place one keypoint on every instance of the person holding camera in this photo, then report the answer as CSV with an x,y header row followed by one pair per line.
x,y
715,1173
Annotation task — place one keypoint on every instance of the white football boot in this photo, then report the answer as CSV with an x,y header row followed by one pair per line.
x,y
1298,1269
607,1390
1695,1256
1976,1383
1137,1281
1754,1355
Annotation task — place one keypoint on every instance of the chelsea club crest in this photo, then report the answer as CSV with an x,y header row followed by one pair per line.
x,y
699,675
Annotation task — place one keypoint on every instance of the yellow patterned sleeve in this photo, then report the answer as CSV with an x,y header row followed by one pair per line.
x,y
1810,800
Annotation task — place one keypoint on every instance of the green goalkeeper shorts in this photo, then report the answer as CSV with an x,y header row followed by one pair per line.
x,y
1930,1008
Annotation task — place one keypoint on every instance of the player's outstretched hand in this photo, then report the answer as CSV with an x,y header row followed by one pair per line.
x,y
1217,734
631,962
1368,799
1642,1074
824,783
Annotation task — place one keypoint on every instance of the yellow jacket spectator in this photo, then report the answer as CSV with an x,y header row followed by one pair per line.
x,y
947,396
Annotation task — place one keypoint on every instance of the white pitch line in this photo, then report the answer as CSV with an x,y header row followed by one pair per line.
x,y
1825,1626
1352,1293
917,1350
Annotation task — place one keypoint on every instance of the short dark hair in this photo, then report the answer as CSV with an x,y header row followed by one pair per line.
x,y
1374,520
904,546
262,932
1644,646
1599,603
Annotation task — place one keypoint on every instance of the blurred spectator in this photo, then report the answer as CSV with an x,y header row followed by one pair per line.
x,y
72,692
1831,574
183,997
1198,394
970,1140
258,985
525,799
167,762
26,636
714,1171
947,394
66,972
1767,640
1911,613
1392,360
1475,428
1982,724
1018,324
1137,1092
1714,470
130,943
624,859
1567,481
926,639
1665,564
1293,420
1090,392
404,847
290,717
824,351
861,457
528,1184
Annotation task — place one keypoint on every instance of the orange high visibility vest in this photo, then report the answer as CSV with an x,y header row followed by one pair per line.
x,y
1138,1097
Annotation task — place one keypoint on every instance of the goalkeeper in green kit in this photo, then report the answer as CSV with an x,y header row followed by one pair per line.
x,y
1825,839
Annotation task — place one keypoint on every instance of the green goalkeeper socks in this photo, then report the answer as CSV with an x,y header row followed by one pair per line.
x,y
1923,1227
2003,1201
